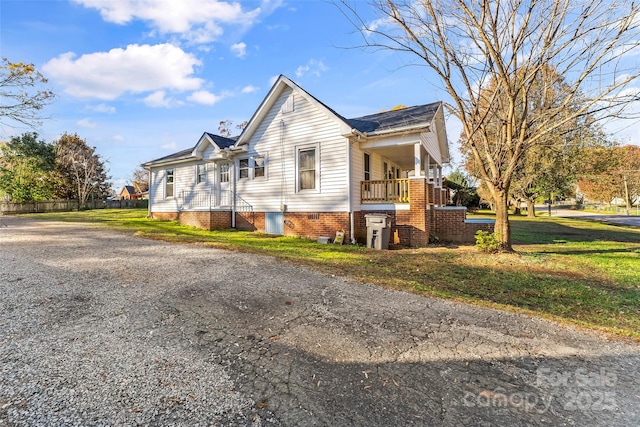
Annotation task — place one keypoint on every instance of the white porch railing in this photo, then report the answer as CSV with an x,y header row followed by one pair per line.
x,y
385,191
212,200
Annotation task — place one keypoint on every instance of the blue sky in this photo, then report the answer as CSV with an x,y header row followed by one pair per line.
x,y
141,79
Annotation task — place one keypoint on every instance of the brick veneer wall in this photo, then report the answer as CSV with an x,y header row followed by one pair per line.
x,y
316,224
214,220
250,221
451,225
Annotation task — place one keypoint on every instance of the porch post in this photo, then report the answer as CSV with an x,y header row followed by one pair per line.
x,y
427,166
417,158
435,175
440,176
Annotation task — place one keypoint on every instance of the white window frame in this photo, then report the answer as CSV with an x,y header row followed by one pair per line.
x,y
226,173
299,149
167,183
198,174
247,168
254,167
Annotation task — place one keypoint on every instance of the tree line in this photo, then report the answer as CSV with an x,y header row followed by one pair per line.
x,y
528,80
33,170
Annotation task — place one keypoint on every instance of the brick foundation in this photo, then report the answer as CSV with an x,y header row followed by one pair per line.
x,y
214,220
410,228
250,221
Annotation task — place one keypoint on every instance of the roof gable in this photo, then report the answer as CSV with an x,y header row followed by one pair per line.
x,y
268,102
220,142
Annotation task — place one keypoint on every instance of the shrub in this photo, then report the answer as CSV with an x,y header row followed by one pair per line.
x,y
488,242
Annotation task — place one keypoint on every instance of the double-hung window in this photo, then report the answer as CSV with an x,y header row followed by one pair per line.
x,y
307,164
243,169
201,173
258,166
168,186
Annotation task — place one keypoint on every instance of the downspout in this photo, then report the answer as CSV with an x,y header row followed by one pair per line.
x,y
232,172
349,193
149,192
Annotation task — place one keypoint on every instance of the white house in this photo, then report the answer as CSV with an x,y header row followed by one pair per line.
x,y
299,168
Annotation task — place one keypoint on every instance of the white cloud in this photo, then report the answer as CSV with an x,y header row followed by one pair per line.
x,y
204,97
158,99
118,138
313,67
239,49
136,69
199,21
86,123
250,89
102,108
169,146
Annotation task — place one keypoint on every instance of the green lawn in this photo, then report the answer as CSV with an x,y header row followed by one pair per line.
x,y
578,272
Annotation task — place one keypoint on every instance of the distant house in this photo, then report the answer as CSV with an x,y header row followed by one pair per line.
x,y
299,168
128,192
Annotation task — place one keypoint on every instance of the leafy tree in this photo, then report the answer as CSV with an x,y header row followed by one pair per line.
x,y
512,46
21,95
26,169
554,168
464,193
613,173
82,172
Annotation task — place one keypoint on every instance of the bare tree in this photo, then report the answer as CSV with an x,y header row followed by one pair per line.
x,y
82,171
140,180
21,98
509,46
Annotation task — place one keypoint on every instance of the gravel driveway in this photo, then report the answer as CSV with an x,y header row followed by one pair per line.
x,y
102,328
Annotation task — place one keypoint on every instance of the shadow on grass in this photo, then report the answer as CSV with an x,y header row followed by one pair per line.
x,y
562,230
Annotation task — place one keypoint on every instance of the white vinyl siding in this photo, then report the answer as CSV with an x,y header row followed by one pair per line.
x,y
280,135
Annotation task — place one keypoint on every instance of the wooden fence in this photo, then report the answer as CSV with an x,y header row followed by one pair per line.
x,y
68,205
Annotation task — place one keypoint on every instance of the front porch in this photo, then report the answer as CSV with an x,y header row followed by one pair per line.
x,y
398,191
418,212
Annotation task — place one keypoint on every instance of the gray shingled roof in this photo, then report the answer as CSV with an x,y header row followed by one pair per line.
x,y
221,141
388,120
182,154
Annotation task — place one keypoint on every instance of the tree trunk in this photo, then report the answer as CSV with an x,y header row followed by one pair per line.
x,y
531,208
503,227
